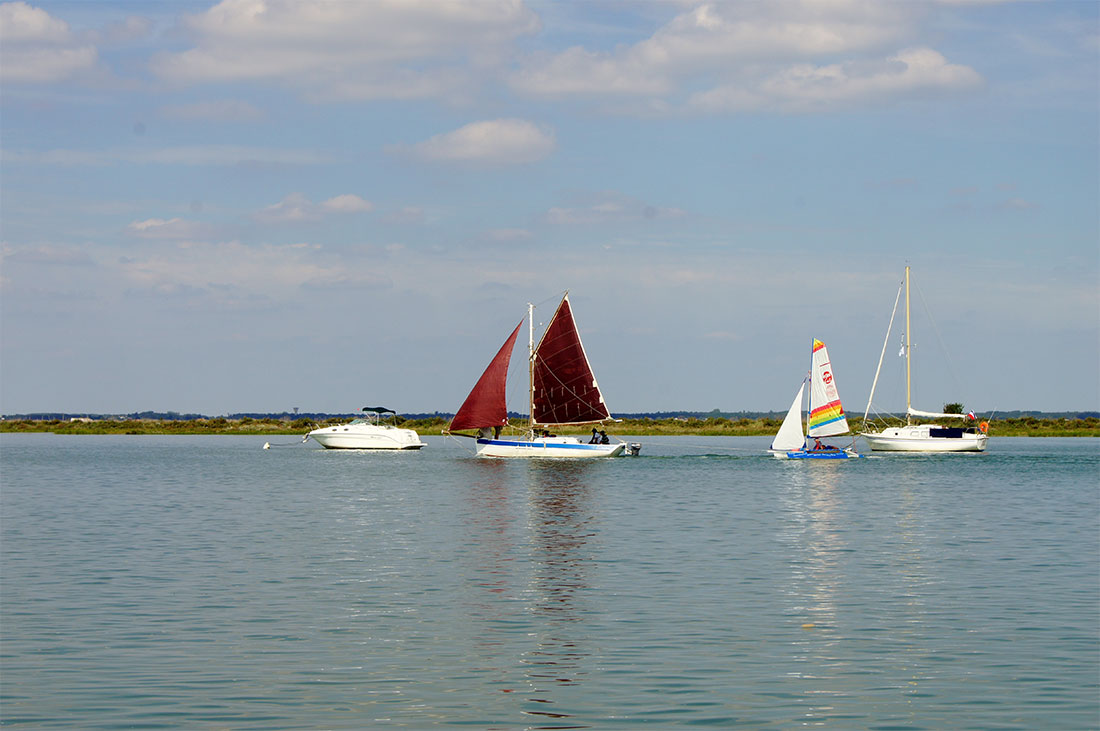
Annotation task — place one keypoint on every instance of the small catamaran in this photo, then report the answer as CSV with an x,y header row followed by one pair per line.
x,y
563,392
824,418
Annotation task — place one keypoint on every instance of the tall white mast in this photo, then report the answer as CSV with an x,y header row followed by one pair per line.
x,y
908,351
809,377
531,367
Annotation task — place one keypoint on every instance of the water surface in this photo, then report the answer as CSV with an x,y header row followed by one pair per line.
x,y
203,582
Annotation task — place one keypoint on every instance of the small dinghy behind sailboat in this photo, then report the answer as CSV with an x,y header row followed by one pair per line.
x,y
825,417
563,392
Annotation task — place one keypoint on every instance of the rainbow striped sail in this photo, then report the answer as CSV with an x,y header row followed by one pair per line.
x,y
826,413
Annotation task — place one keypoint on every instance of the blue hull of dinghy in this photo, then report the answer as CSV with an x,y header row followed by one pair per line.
x,y
837,454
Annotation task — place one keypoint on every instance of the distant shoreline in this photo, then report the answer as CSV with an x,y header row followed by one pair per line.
x,y
767,426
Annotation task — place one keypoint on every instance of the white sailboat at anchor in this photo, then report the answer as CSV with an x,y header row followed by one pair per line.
x,y
914,436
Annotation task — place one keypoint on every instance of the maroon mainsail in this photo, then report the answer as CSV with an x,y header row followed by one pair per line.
x,y
563,387
487,403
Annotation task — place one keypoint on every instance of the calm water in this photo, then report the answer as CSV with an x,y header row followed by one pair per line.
x,y
203,582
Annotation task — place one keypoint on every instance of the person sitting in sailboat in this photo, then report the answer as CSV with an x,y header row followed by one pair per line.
x,y
595,437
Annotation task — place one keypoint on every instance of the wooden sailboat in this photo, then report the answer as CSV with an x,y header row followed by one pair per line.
x,y
824,417
563,392
916,437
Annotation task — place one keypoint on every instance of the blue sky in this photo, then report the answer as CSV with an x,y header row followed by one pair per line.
x,y
261,204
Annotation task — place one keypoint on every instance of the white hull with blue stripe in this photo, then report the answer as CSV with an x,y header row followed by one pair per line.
x,y
562,392
550,447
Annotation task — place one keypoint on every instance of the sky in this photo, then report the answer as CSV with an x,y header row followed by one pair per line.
x,y
262,205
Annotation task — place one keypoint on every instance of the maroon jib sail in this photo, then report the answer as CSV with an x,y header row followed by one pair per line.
x,y
564,389
487,403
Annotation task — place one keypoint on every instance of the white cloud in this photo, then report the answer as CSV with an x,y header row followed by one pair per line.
x,y
362,50
811,88
45,254
731,57
296,208
708,40
159,228
496,141
265,269
22,23
347,203
578,71
35,47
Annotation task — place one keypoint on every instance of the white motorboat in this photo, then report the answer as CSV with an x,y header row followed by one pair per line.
x,y
370,432
916,437
563,392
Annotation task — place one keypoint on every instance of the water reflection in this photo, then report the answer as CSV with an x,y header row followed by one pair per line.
x,y
490,521
560,523
529,525
815,540
815,543
850,593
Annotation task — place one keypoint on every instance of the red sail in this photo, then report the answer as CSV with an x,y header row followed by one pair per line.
x,y
487,403
564,390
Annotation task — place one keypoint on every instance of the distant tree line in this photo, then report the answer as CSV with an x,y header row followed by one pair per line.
x,y
446,416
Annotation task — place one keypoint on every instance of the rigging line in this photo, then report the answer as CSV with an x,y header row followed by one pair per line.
x,y
461,445
269,445
561,383
539,304
551,298
882,355
515,382
943,348
658,442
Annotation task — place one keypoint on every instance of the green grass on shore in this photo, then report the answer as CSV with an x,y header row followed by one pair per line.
x,y
1024,427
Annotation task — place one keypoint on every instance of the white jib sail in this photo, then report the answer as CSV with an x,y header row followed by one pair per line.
x,y
789,437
